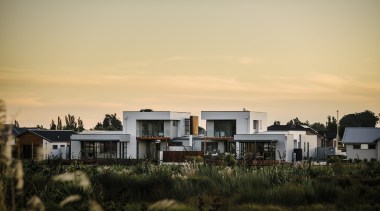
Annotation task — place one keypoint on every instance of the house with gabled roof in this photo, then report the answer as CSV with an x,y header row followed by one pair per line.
x,y
362,142
40,144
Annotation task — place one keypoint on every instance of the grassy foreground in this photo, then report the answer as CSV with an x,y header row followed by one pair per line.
x,y
192,186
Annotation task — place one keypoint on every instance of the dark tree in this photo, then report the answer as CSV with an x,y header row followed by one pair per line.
x,y
110,122
318,126
146,110
276,122
297,122
71,124
80,125
363,119
98,126
59,124
53,126
331,124
16,124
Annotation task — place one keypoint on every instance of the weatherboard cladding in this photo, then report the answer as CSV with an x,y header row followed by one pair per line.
x,y
361,135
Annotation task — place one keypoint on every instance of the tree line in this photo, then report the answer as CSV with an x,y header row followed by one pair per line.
x,y
110,122
362,119
366,118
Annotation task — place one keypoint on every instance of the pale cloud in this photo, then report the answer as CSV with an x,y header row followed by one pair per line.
x,y
245,60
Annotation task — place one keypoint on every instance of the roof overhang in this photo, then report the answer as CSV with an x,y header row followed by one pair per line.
x,y
153,138
259,137
101,137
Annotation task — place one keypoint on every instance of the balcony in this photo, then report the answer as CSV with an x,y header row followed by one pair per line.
x,y
224,134
153,135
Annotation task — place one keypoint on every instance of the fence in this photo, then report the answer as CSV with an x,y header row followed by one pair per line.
x,y
179,156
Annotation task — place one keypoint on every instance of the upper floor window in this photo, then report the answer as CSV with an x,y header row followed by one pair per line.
x,y
224,128
371,146
55,146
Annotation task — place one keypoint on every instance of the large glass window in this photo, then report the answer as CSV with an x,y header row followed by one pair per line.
x,y
101,149
123,150
211,147
258,150
151,128
224,128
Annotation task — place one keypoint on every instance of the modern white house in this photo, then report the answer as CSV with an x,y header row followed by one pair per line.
x,y
145,134
152,132
362,142
148,134
222,126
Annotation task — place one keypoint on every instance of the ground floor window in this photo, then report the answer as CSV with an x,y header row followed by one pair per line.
x,y
371,146
230,147
123,149
99,149
175,143
258,150
211,147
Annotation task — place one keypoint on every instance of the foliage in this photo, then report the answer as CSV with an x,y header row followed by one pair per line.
x,y
72,124
331,123
110,122
194,159
16,124
318,126
363,119
53,126
206,187
297,122
59,124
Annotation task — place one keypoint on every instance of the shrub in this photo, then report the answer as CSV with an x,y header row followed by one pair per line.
x,y
230,160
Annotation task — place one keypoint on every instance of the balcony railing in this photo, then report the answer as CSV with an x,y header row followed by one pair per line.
x,y
156,133
223,134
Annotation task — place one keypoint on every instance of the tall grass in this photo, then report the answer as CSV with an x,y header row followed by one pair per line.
x,y
200,186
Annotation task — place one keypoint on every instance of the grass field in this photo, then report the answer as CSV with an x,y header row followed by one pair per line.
x,y
191,186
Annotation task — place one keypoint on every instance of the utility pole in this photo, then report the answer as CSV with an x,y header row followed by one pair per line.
x,y
337,128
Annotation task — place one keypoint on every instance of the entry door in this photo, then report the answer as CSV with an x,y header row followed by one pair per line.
x,y
27,151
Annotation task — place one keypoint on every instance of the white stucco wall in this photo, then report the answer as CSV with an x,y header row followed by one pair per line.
x,y
61,151
361,153
75,150
312,140
244,120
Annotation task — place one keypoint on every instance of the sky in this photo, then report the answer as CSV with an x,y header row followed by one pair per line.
x,y
289,58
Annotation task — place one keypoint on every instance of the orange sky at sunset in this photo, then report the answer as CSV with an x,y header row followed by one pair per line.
x,y
293,58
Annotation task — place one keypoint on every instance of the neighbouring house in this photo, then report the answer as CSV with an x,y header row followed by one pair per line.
x,y
265,146
10,133
305,141
39,144
362,142
98,144
222,126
